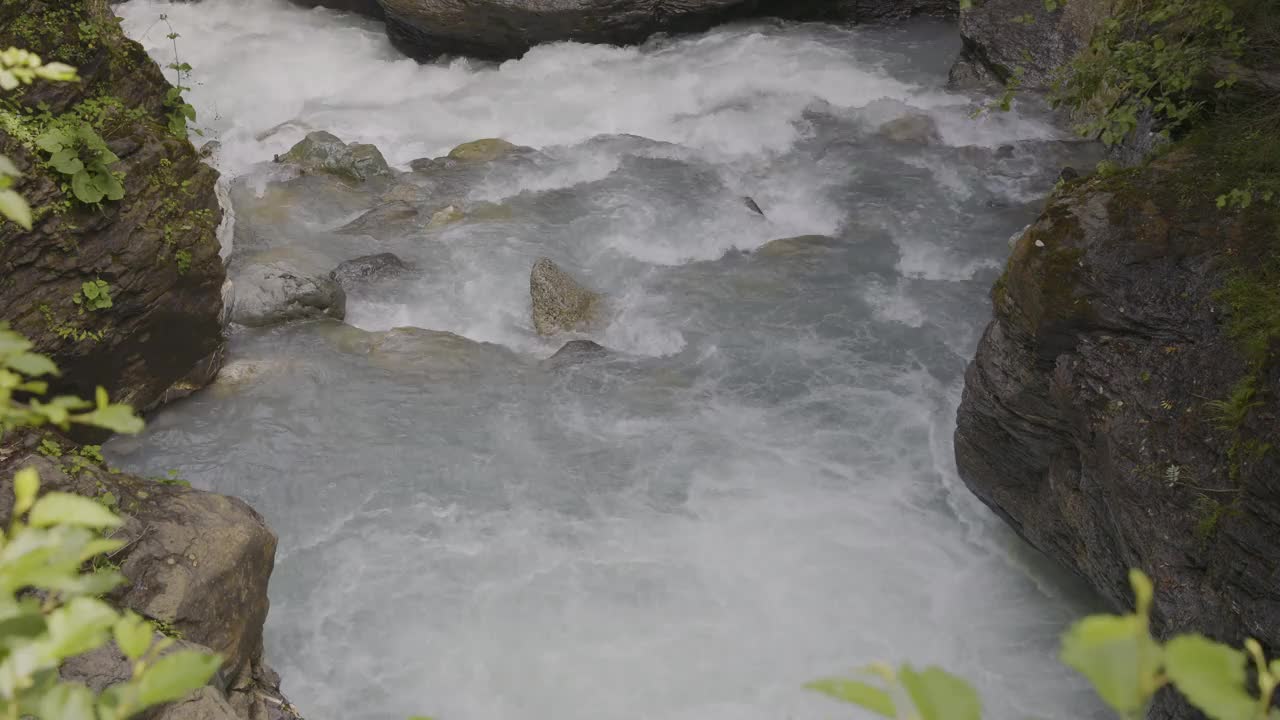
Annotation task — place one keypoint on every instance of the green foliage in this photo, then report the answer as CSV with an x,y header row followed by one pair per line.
x,y
906,693
19,67
93,295
1149,58
177,109
1116,653
20,377
183,258
1230,414
49,601
77,151
44,551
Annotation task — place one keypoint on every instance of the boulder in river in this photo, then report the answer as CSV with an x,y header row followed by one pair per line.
x,y
324,152
485,150
368,269
503,29
196,563
276,289
914,128
560,303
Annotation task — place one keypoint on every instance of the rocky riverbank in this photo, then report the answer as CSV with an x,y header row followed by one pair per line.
x,y
1121,410
127,294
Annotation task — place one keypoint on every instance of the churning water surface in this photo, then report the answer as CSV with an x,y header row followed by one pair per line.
x,y
755,489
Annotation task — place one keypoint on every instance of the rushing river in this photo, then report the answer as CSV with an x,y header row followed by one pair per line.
x,y
754,490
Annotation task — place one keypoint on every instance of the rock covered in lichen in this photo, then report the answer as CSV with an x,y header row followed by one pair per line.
x,y
560,303
485,150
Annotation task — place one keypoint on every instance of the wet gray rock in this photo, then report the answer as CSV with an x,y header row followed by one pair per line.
x,y
502,29
1087,419
278,290
560,303
367,270
433,165
324,152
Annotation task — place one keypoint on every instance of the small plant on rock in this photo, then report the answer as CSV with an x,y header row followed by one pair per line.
x,y
94,295
78,152
1116,653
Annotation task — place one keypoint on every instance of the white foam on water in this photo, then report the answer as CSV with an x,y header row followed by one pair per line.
x,y
757,488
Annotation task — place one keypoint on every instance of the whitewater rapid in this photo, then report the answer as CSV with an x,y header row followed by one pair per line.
x,y
756,489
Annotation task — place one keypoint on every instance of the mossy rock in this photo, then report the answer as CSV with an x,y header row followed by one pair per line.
x,y
325,152
156,248
486,150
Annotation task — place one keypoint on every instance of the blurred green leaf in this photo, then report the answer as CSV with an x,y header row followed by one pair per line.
x,y
857,693
939,695
1211,675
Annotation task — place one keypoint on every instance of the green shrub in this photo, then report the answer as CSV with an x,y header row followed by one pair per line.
x,y
19,67
50,609
1116,653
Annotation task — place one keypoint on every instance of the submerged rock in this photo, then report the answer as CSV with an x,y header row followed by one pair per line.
x,y
1088,420
395,211
434,355
367,270
560,304
324,152
368,8
447,215
796,246
916,128
278,290
577,351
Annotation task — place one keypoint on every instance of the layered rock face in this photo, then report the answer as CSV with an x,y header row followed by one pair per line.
x,y
1122,411
156,249
501,29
